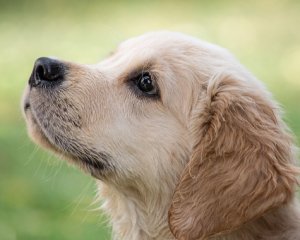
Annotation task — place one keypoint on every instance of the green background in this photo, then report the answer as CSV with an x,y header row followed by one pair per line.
x,y
43,198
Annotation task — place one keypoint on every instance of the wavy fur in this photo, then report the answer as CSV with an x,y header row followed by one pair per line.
x,y
208,158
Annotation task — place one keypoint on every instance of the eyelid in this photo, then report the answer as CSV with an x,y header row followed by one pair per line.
x,y
138,78
137,74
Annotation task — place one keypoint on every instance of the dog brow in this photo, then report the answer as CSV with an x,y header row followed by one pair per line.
x,y
140,70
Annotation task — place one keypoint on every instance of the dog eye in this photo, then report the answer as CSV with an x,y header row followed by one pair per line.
x,y
145,84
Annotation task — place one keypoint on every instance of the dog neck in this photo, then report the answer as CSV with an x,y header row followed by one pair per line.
x,y
134,218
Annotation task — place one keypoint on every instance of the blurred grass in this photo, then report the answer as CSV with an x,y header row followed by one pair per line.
x,y
40,196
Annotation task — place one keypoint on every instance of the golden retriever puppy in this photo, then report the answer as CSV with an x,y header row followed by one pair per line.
x,y
184,142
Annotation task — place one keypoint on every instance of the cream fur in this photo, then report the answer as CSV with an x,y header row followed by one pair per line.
x,y
210,158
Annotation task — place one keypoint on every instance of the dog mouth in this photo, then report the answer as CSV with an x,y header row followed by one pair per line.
x,y
54,117
71,148
26,106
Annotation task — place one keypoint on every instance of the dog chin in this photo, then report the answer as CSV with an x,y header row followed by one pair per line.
x,y
87,160
37,134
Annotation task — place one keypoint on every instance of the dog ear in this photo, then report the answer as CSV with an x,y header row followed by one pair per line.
x,y
242,163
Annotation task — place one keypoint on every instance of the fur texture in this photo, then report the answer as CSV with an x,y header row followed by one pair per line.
x,y
208,157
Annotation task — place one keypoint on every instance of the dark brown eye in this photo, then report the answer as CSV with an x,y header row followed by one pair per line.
x,y
145,84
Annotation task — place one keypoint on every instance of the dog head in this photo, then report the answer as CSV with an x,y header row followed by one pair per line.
x,y
167,111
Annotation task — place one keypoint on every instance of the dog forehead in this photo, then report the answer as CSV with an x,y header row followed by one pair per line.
x,y
163,47
168,41
153,48
157,43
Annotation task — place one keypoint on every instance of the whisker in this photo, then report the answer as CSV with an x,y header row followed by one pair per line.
x,y
41,161
83,194
32,154
46,166
26,143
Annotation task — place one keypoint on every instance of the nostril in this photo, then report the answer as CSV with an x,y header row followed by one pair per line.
x,y
39,74
47,71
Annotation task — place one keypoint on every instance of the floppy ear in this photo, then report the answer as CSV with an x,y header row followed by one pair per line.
x,y
242,163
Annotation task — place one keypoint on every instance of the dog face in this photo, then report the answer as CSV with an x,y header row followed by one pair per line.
x,y
168,111
123,116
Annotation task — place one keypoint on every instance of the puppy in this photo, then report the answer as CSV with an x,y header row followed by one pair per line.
x,y
184,142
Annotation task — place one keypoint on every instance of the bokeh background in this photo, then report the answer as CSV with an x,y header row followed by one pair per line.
x,y
43,198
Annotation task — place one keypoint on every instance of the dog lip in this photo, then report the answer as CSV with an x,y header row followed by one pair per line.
x,y
93,163
26,106
89,157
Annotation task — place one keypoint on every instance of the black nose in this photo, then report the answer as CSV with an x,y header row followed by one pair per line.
x,y
47,72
